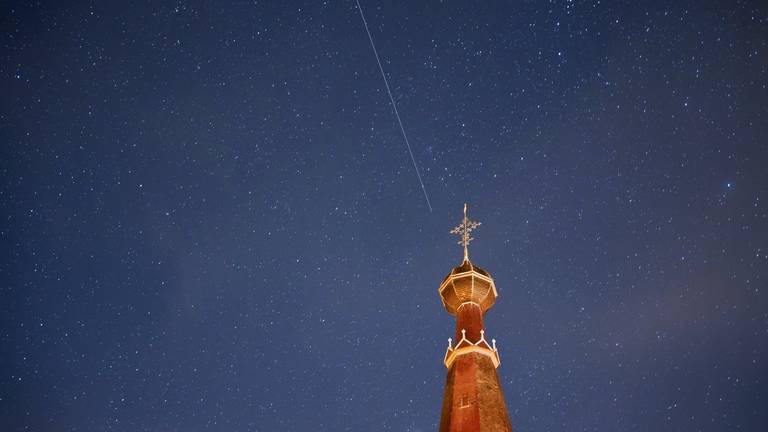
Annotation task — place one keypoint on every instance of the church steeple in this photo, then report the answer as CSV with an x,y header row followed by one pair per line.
x,y
473,399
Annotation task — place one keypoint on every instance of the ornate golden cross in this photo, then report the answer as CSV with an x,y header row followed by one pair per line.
x,y
464,230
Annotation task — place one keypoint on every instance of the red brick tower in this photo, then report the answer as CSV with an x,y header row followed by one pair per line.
x,y
473,399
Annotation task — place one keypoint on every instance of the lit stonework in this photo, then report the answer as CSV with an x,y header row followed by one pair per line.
x,y
473,399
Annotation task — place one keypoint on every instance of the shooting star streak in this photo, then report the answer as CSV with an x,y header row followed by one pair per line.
x,y
394,106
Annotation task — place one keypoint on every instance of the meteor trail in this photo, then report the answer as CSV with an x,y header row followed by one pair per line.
x,y
394,106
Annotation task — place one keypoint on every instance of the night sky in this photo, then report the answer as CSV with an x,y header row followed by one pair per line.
x,y
211,222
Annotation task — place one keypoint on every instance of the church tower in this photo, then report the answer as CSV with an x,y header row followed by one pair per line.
x,y
473,399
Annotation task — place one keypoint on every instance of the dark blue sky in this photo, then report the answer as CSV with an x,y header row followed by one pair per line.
x,y
210,221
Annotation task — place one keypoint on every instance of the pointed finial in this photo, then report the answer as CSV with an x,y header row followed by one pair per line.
x,y
464,229
466,241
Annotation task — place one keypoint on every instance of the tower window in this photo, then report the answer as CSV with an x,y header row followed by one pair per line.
x,y
464,401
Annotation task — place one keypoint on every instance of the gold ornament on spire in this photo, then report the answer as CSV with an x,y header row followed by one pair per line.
x,y
464,230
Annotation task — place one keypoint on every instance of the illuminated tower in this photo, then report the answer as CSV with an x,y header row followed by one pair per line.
x,y
473,399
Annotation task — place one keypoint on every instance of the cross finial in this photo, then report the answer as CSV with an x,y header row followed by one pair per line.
x,y
464,229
